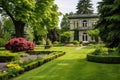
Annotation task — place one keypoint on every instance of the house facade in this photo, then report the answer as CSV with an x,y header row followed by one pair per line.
x,y
79,26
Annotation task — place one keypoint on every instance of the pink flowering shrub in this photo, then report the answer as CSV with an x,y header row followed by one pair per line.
x,y
19,44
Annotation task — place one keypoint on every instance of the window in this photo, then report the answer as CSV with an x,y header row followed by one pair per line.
x,y
76,24
85,38
84,23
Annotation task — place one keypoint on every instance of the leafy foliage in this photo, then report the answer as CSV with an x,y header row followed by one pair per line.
x,y
84,7
95,34
47,20
54,34
65,37
21,12
37,13
108,23
64,23
19,44
75,42
2,42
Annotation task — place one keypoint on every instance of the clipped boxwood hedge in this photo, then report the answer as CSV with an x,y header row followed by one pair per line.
x,y
103,59
39,52
8,57
40,62
33,64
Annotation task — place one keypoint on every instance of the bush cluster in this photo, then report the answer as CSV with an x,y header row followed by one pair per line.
x,y
2,42
39,62
48,44
33,64
75,42
19,44
103,59
8,57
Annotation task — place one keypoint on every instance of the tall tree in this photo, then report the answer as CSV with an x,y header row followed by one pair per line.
x,y
94,34
64,23
20,11
37,13
47,17
84,7
109,22
54,34
53,31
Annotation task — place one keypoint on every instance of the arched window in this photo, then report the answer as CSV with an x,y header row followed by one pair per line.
x,y
76,24
84,37
84,23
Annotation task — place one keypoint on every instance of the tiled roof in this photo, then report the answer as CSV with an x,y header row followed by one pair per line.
x,y
76,16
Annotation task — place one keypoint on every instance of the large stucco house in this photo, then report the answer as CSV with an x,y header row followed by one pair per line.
x,y
80,24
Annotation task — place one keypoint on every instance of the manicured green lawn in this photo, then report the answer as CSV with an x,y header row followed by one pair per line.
x,y
73,66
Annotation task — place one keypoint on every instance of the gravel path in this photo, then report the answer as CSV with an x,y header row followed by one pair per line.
x,y
3,64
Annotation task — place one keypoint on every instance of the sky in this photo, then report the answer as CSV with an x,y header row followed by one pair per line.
x,y
66,6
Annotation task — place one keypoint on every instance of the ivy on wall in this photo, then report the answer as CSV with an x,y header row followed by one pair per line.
x,y
76,34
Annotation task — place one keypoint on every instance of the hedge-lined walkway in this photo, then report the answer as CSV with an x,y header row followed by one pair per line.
x,y
73,66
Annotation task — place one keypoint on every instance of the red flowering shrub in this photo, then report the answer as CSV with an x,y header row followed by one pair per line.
x,y
19,44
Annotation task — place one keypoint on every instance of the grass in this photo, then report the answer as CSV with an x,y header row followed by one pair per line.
x,y
73,66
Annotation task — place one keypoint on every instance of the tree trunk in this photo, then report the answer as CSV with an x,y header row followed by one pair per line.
x,y
19,28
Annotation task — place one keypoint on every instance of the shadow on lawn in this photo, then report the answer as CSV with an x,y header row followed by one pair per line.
x,y
76,69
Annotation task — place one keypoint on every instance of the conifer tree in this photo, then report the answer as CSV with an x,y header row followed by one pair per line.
x,y
109,22
84,7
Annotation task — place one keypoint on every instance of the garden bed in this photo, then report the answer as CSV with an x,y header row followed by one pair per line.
x,y
32,60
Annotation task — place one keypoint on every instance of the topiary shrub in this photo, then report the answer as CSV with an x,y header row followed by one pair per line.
x,y
19,44
103,59
75,42
48,44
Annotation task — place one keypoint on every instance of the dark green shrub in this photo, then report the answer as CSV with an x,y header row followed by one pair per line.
x,y
2,42
40,62
14,69
97,51
103,59
55,42
38,42
8,57
40,52
65,37
48,44
12,72
75,42
29,66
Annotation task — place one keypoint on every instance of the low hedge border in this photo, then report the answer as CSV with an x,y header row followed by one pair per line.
x,y
40,52
103,59
8,58
32,65
40,62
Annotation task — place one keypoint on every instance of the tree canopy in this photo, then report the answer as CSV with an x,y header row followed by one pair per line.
x,y
64,23
47,18
84,7
20,11
109,22
37,13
